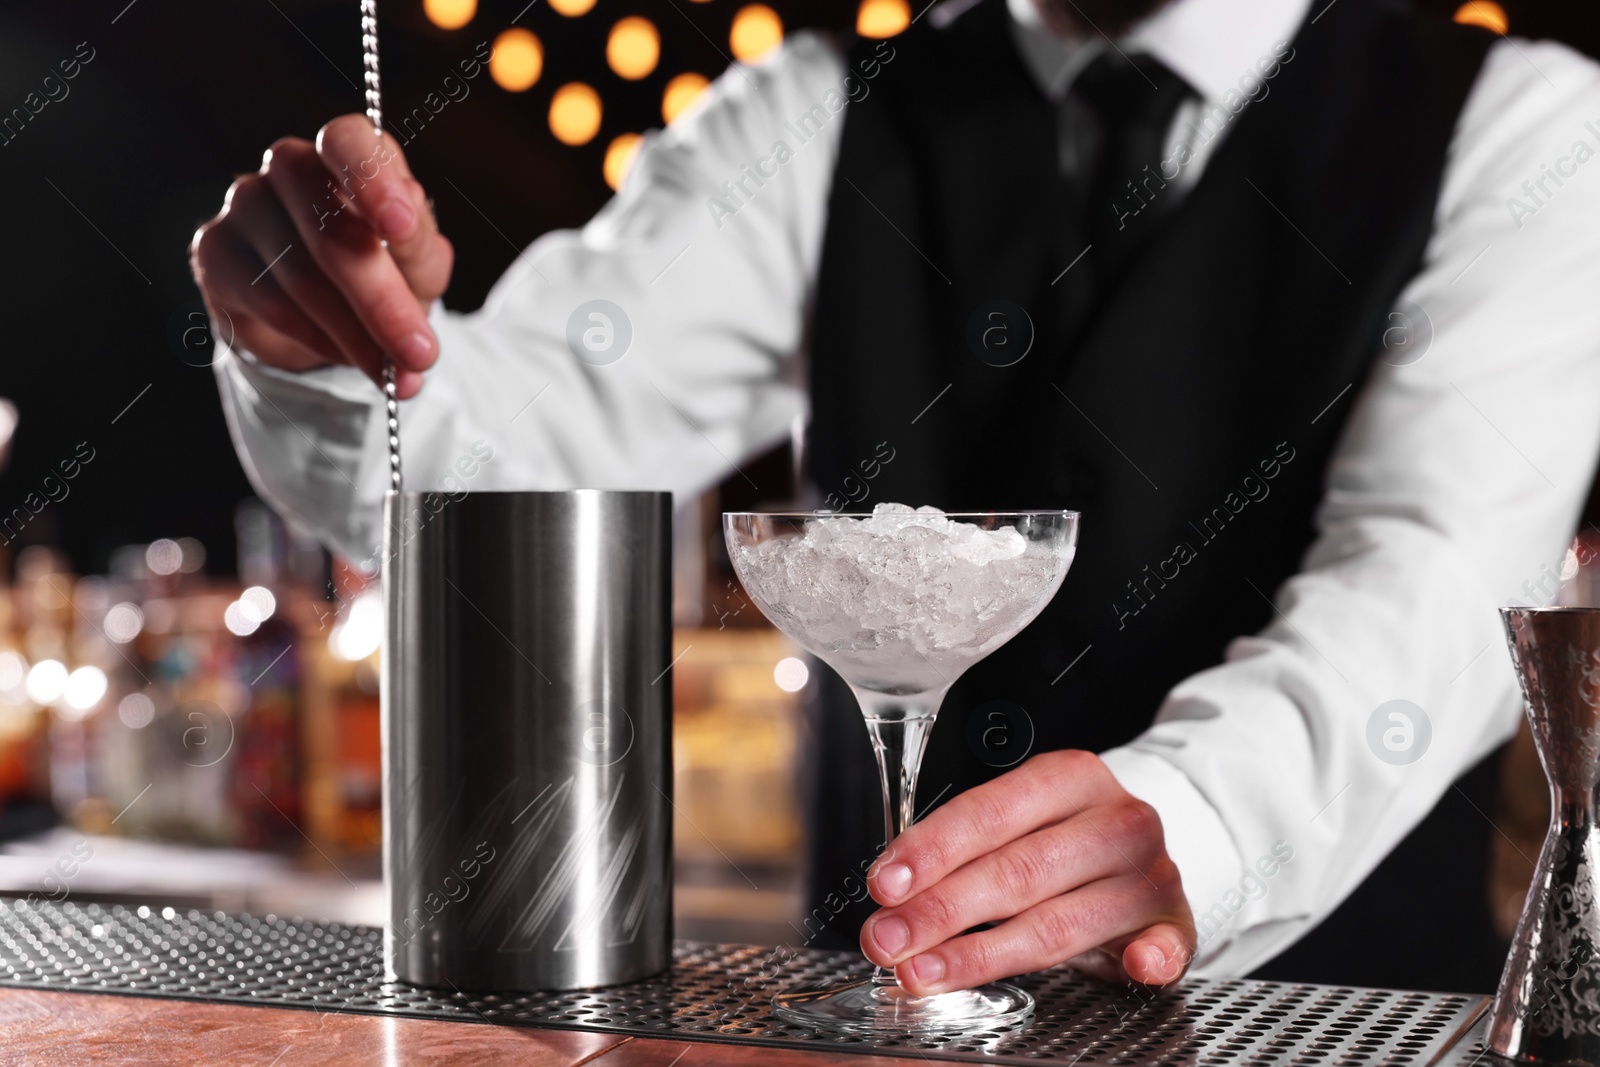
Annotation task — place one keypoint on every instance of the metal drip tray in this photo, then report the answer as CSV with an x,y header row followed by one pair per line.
x,y
720,993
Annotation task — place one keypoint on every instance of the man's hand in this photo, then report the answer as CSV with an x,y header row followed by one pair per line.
x,y
297,264
1072,867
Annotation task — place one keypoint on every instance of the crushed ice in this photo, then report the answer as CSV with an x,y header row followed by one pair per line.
x,y
902,590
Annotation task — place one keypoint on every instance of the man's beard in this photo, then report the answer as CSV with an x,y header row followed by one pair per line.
x,y
1088,17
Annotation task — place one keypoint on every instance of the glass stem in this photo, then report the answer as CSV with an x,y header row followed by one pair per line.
x,y
899,728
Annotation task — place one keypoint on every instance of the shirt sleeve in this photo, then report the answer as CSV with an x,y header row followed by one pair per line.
x,y
1283,775
653,349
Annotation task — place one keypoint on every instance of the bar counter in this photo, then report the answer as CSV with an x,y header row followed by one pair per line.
x,y
49,1028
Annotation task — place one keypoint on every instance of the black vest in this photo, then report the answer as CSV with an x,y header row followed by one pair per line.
x,y
1189,413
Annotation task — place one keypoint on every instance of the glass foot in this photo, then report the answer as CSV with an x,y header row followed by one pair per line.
x,y
870,1008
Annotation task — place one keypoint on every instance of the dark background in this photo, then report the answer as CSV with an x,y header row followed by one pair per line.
x,y
182,96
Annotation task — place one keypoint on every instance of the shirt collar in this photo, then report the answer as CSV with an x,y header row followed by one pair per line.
x,y
1210,43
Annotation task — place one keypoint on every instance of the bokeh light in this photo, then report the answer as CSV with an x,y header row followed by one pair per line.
x,y
757,30
136,711
360,633
85,687
517,61
164,557
882,18
634,47
258,603
13,675
1485,13
194,555
238,621
572,8
791,674
682,91
47,680
619,157
575,114
123,622
449,14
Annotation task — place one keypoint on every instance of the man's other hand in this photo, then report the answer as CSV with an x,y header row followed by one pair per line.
x,y
1069,866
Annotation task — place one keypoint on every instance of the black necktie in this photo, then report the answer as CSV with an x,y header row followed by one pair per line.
x,y
1117,117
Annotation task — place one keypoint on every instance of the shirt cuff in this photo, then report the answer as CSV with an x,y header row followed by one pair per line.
x,y
1199,843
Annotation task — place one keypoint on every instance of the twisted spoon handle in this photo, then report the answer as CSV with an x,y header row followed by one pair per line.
x,y
369,61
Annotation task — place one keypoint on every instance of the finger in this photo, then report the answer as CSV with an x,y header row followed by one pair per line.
x,y
407,384
1161,954
1042,936
1157,955
264,319
267,228
267,323
369,173
351,255
427,258
377,188
1046,789
256,335
1106,841
1106,962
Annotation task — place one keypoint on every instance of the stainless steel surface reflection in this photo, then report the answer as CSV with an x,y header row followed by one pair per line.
x,y
527,730
1547,1009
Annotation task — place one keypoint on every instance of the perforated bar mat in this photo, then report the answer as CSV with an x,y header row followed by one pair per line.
x,y
719,993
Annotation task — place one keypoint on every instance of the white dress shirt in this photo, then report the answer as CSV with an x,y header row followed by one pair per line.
x,y
1457,481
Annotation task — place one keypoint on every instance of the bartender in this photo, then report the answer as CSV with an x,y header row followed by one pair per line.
x,y
1294,302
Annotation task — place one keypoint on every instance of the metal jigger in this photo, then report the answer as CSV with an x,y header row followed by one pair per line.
x,y
1547,1009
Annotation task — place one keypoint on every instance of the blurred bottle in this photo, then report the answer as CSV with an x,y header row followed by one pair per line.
x,y
266,788
24,753
346,761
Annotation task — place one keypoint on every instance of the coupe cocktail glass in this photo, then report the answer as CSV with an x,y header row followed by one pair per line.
x,y
900,603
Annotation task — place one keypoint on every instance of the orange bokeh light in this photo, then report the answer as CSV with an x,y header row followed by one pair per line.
x,y
1485,13
619,157
682,91
517,60
882,18
756,31
449,14
633,48
575,113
